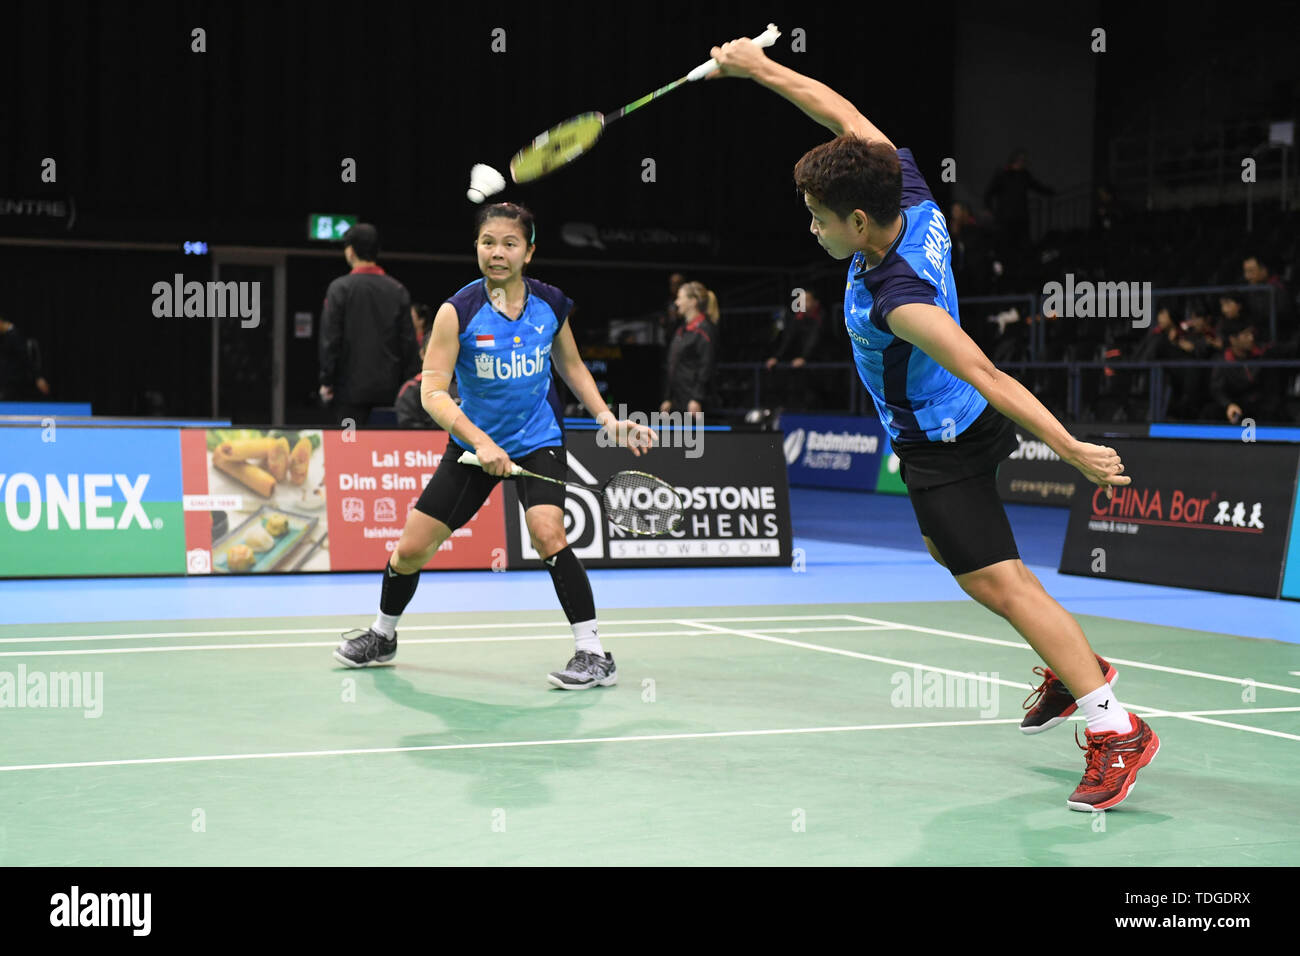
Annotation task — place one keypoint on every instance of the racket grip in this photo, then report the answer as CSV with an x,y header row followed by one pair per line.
x,y
469,458
766,38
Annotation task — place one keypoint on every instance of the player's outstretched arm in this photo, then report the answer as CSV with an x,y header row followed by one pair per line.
x,y
439,364
819,101
567,361
933,331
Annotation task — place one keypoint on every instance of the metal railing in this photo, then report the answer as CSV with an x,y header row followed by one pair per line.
x,y
859,401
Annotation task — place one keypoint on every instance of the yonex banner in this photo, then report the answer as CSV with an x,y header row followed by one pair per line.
x,y
737,504
823,451
89,501
1199,514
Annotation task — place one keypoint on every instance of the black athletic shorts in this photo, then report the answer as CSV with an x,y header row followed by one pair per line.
x,y
456,492
954,492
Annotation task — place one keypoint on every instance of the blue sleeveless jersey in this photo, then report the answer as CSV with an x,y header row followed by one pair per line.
x,y
915,396
504,367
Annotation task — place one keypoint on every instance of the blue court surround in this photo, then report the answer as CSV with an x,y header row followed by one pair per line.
x,y
856,546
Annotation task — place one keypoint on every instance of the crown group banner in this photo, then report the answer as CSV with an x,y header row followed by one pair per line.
x,y
85,501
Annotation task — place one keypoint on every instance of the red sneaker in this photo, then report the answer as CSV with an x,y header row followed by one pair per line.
x,y
1054,702
1113,761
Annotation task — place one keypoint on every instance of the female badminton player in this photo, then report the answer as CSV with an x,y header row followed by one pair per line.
x,y
501,334
948,410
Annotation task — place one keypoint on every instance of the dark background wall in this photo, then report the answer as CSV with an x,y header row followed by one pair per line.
x,y
155,143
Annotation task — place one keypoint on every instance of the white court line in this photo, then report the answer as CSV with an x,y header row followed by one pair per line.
x,y
1239,681
410,627
504,744
405,642
567,636
500,745
1152,711
982,678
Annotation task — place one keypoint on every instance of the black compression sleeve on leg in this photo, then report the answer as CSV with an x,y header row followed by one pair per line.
x,y
571,585
397,590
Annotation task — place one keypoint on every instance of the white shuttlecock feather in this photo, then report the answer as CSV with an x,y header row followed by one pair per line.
x,y
484,181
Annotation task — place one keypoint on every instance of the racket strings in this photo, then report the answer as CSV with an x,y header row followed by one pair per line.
x,y
642,504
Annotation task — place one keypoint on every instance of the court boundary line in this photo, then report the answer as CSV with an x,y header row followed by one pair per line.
x,y
1148,710
1182,672
508,744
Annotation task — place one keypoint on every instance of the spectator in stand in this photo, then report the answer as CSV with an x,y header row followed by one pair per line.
x,y
667,319
1007,197
801,333
971,267
409,406
693,350
1231,309
20,366
1256,272
1241,390
422,320
800,336
367,343
1164,342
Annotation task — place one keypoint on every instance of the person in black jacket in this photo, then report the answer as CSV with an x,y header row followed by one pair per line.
x,y
693,349
20,368
367,342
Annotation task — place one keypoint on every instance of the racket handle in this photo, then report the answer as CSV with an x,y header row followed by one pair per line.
x,y
469,458
766,38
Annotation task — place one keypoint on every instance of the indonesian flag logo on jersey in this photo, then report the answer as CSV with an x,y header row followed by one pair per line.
x,y
485,341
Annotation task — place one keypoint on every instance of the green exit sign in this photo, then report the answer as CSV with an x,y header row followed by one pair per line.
x,y
328,228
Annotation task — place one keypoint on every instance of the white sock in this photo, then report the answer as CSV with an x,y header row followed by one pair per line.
x,y
386,624
1103,712
585,637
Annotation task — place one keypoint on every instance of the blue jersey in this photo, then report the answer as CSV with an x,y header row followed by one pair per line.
x,y
504,367
917,399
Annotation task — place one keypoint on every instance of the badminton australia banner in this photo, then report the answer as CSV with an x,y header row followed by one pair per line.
x,y
841,451
1199,514
733,486
88,501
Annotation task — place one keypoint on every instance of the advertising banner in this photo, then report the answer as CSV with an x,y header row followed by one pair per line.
x,y
1036,475
1199,514
840,451
734,489
280,500
89,501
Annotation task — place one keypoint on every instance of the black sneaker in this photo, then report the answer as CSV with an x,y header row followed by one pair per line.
x,y
586,670
368,647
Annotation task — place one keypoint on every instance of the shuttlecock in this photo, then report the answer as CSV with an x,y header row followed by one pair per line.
x,y
484,181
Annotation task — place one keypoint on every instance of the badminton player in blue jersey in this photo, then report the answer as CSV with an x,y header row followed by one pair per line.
x,y
948,410
501,334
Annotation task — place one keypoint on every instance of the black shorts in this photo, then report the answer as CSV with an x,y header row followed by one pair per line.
x,y
954,492
456,492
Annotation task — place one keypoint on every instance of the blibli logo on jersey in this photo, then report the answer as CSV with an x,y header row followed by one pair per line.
x,y
519,365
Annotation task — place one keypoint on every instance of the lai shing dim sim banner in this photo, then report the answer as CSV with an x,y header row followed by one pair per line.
x,y
312,500
1204,514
